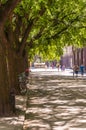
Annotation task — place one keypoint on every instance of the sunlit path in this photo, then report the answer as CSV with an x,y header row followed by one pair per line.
x,y
55,103
50,71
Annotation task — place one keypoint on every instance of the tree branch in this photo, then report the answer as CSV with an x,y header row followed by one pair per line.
x,y
65,28
25,36
7,9
28,29
37,36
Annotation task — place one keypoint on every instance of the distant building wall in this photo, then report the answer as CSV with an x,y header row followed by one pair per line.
x,y
67,57
72,56
79,56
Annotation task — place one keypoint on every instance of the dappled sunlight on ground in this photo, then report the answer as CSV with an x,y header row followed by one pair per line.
x,y
56,104
15,121
21,102
11,123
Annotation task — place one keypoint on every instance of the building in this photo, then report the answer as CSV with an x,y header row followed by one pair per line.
x,y
79,56
72,56
67,57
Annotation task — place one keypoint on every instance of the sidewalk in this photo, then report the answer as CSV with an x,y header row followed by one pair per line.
x,y
15,122
54,72
55,102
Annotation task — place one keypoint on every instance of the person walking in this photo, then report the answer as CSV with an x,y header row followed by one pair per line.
x,y
58,67
82,68
75,70
63,68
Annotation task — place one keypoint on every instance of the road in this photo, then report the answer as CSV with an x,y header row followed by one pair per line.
x,y
55,102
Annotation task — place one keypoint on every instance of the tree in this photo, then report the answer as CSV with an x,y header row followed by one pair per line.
x,y
63,23
41,26
58,18
6,9
16,34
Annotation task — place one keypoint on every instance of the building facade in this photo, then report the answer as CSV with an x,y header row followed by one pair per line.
x,y
67,57
72,56
79,56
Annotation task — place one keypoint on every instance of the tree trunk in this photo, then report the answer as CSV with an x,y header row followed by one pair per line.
x,y
5,106
22,62
16,64
4,85
13,75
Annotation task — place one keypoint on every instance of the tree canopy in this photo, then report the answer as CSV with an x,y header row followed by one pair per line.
x,y
45,27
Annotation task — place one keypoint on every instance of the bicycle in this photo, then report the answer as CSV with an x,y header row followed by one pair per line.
x,y
23,80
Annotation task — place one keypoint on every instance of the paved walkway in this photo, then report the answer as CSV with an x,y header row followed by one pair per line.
x,y
15,122
68,73
55,103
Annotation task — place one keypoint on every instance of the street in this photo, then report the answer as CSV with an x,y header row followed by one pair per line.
x,y
55,102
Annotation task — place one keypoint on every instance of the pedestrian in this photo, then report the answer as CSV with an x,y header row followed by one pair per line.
x,y
82,68
75,70
58,67
63,68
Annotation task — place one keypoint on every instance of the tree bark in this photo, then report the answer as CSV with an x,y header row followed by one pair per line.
x,y
16,64
21,62
4,84
12,68
5,11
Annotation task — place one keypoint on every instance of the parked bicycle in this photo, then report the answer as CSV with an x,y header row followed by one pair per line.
x,y
23,80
